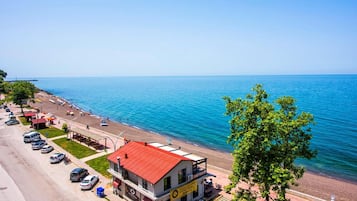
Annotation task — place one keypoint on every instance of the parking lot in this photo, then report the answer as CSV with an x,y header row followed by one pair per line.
x,y
32,173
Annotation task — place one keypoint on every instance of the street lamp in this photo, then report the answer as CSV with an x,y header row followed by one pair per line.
x,y
114,143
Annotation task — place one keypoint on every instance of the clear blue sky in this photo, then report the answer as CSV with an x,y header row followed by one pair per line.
x,y
124,38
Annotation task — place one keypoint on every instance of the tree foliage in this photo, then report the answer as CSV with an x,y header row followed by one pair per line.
x,y
22,91
3,75
266,143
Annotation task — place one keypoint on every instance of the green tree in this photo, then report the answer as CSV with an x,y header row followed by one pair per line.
x,y
65,127
3,75
21,91
266,143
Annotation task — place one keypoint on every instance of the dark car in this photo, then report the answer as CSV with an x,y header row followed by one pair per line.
x,y
7,110
12,122
78,174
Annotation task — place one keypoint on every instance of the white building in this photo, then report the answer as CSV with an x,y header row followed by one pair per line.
x,y
143,171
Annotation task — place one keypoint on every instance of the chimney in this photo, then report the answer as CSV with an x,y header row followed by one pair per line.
x,y
118,159
146,143
126,155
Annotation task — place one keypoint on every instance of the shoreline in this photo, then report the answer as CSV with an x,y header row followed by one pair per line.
x,y
313,183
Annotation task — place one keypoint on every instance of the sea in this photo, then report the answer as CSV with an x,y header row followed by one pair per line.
x,y
191,108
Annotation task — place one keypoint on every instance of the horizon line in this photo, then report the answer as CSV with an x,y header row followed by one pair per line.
x,y
222,75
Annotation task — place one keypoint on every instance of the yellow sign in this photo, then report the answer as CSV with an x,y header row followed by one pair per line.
x,y
183,190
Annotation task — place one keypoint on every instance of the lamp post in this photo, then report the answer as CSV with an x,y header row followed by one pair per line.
x,y
114,143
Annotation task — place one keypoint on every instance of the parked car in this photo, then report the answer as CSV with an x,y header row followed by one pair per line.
x,y
57,157
27,132
12,122
89,182
78,174
46,149
32,137
38,144
7,110
103,122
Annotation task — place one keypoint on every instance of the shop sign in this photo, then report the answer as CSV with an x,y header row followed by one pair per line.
x,y
183,190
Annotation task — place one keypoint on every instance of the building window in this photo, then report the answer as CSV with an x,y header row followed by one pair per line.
x,y
144,184
167,183
184,198
182,176
116,169
195,193
125,174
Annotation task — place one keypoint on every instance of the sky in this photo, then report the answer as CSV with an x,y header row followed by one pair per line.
x,y
60,38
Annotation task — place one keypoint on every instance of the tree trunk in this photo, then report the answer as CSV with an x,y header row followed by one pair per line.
x,y
267,188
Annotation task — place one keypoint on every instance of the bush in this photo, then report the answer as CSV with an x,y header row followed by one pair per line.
x,y
65,127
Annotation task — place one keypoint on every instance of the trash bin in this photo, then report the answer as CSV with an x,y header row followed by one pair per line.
x,y
100,192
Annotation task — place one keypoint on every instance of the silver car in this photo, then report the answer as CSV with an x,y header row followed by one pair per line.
x,y
38,144
57,157
88,182
46,149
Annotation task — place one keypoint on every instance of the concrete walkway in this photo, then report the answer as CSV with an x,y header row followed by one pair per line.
x,y
94,156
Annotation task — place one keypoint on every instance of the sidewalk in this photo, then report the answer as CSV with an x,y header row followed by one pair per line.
x,y
94,156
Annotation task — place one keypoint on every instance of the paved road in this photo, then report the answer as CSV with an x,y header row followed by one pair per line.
x,y
27,175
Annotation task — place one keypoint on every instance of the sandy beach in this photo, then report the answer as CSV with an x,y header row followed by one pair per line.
x,y
313,184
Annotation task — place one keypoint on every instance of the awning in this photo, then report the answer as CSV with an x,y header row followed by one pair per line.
x,y
86,133
29,114
147,199
116,184
39,121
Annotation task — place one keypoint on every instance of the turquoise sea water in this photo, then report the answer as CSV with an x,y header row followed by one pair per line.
x,y
192,108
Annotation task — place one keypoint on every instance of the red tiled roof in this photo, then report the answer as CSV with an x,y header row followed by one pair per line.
x,y
146,161
38,121
29,114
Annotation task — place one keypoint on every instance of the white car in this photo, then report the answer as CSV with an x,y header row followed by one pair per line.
x,y
57,157
103,122
88,182
46,149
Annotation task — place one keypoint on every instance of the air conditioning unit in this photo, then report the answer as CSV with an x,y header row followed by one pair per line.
x,y
189,177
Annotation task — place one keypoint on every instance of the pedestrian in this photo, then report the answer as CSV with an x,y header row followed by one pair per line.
x,y
87,126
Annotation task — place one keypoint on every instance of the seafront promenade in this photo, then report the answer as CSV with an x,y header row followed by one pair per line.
x,y
62,170
220,177
219,163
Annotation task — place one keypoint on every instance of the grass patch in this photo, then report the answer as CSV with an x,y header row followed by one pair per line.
x,y
74,148
51,132
24,121
101,165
